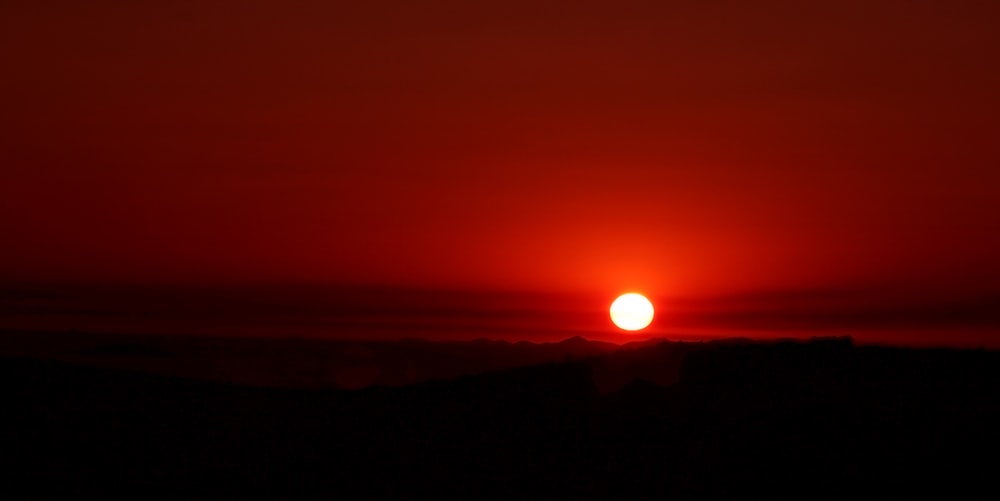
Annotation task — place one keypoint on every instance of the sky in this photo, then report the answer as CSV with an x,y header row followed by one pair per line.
x,y
755,164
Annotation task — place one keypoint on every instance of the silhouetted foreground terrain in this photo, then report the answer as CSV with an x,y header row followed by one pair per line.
x,y
823,419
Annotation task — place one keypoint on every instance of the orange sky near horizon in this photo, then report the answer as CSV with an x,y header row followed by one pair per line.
x,y
685,149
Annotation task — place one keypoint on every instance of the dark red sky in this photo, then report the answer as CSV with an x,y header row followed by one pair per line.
x,y
695,149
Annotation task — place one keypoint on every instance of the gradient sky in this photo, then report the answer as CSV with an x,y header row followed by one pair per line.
x,y
692,149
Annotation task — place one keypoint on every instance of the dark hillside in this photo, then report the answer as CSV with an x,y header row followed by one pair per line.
x,y
823,419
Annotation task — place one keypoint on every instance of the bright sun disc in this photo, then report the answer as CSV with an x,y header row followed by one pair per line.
x,y
631,312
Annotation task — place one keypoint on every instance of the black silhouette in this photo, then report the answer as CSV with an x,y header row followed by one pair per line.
x,y
819,419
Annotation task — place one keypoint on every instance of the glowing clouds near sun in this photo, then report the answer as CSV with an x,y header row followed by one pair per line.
x,y
631,312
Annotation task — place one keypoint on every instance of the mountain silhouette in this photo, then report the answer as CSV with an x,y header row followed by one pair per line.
x,y
823,419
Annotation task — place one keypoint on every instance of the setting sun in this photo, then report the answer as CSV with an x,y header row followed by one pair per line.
x,y
631,312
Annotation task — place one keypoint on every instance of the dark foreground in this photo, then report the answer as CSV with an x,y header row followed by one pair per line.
x,y
805,420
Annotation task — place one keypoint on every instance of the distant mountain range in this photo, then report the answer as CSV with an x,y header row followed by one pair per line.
x,y
818,419
337,364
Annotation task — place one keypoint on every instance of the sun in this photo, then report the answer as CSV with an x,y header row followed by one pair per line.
x,y
632,312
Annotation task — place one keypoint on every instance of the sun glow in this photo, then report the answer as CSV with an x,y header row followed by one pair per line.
x,y
632,312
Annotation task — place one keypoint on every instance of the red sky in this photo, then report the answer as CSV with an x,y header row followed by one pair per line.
x,y
693,150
